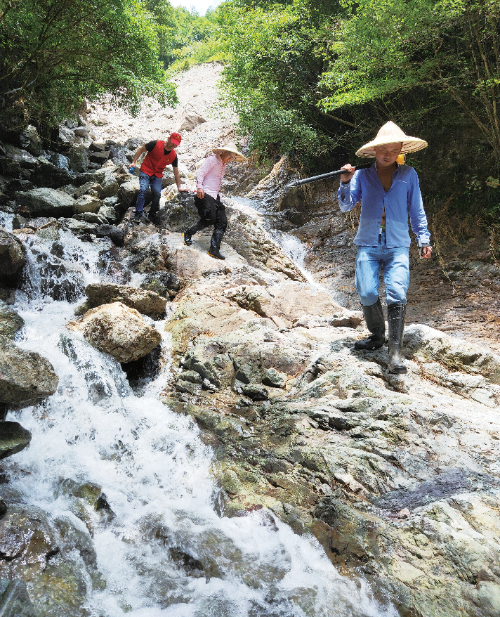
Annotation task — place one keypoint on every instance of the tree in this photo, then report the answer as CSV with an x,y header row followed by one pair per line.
x,y
391,46
177,29
276,54
55,52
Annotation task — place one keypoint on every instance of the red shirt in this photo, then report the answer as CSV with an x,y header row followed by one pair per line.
x,y
155,162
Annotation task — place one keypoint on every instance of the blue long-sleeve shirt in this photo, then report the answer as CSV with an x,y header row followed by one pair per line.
x,y
401,199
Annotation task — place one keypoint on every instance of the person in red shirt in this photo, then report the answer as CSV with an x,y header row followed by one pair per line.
x,y
159,155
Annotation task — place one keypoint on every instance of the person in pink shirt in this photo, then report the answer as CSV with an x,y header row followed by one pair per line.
x,y
207,199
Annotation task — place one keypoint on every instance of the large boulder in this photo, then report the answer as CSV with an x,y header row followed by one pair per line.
x,y
288,302
190,118
49,557
52,174
87,203
142,300
425,344
25,376
118,330
13,438
12,257
46,202
107,180
78,158
13,161
10,321
128,192
30,140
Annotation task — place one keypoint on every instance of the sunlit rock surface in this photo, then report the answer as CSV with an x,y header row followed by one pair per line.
x,y
144,301
118,330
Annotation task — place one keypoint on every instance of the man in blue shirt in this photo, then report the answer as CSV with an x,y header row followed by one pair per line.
x,y
388,192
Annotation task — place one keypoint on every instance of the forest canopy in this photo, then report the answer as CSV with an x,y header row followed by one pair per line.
x,y
55,52
309,78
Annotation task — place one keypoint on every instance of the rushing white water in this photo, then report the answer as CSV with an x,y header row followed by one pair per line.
x,y
162,547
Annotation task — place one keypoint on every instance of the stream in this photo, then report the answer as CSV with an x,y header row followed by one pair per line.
x,y
163,546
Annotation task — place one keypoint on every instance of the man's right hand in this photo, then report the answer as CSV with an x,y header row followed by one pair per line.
x,y
349,172
200,193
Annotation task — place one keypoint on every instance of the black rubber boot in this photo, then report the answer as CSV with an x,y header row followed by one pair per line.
x,y
187,237
140,217
214,251
396,320
153,215
374,318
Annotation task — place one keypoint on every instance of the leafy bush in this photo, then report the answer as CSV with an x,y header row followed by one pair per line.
x,y
55,52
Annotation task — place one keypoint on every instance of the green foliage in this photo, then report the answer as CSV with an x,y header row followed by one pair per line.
x,y
55,52
387,47
275,55
179,31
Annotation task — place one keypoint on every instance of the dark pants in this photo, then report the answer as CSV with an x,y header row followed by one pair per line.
x,y
212,212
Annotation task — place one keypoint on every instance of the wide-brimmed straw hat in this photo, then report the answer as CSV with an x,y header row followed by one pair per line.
x,y
230,147
391,133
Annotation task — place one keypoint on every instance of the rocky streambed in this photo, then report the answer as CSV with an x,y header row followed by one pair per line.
x,y
187,436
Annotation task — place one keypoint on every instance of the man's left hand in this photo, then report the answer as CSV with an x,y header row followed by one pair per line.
x,y
426,252
183,190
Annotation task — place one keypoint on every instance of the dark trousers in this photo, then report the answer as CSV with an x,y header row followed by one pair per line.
x,y
212,212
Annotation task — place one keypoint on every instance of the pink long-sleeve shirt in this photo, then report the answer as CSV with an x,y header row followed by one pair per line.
x,y
210,174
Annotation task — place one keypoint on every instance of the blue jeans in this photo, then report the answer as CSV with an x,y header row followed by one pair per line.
x,y
395,264
145,182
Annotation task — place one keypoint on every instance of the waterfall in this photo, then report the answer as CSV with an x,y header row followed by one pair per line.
x,y
162,545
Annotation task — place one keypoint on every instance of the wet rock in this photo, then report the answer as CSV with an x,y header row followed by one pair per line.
x,y
78,158
115,234
119,331
32,550
144,301
46,202
163,283
14,599
81,229
48,174
13,438
452,482
10,321
12,258
25,377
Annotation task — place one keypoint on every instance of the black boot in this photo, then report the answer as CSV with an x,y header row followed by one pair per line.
x,y
214,251
374,318
153,215
396,320
187,237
